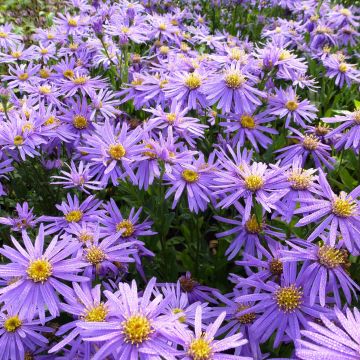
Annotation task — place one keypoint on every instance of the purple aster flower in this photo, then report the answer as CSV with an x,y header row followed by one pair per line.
x,y
113,150
136,328
249,127
17,52
21,74
201,344
73,212
308,145
77,178
339,340
25,218
324,270
286,103
104,103
233,90
72,25
283,307
336,212
7,38
37,275
19,335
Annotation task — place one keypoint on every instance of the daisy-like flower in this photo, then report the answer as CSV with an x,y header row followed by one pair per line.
x,y
308,145
104,103
201,344
73,212
336,212
324,270
19,335
80,178
21,74
346,135
7,37
36,275
283,307
286,103
249,127
329,340
25,218
233,90
135,327
113,150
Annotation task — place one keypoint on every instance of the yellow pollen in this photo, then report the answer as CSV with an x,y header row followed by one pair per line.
x,y
136,329
44,51
184,47
162,27
50,121
3,35
323,30
292,105
85,236
254,182
16,54
12,323
73,46
200,349
127,226
345,12
68,73
276,267
300,179
322,129
44,74
310,142
50,36
149,153
45,90
74,216
137,82
174,22
27,127
343,67
278,30
27,113
246,318
182,318
80,122
116,151
284,55
331,257
236,54
164,49
234,79
23,76
171,118
18,140
247,122
193,81
343,207
356,116
39,270
288,298
72,22
95,314
253,226
95,255
81,80
190,176
124,29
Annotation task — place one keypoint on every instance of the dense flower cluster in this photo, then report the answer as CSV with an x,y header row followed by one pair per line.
x,y
152,129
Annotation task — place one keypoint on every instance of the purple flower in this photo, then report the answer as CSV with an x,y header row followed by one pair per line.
x,y
25,218
339,340
37,275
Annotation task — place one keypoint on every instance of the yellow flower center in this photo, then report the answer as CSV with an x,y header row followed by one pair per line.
x,y
85,236
253,226
276,267
136,329
345,12
254,182
200,349
288,298
234,79
124,29
150,154
310,142
292,105
246,318
182,318
127,226
163,83
343,207
44,51
171,118
23,76
193,81
356,116
80,122
27,127
95,314
50,121
74,216
73,46
45,90
11,324
162,27
116,151
236,54
164,49
331,257
137,82
39,270
3,35
284,55
44,74
16,54
343,67
18,140
81,80
247,122
50,36
190,176
68,73
95,255
72,22
300,179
